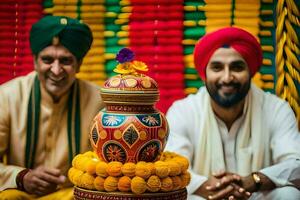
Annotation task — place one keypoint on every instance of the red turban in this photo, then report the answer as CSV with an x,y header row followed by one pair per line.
x,y
239,39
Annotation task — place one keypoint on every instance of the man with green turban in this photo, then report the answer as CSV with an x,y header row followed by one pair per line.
x,y
45,115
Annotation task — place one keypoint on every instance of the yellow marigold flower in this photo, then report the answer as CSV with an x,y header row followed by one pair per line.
x,y
142,170
175,168
71,173
91,166
124,68
139,66
151,167
184,162
81,163
162,169
101,168
99,183
167,156
186,178
124,184
177,182
138,185
77,177
128,169
114,168
87,181
166,184
75,160
90,154
153,183
111,184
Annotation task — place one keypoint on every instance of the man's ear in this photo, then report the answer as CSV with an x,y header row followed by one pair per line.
x,y
79,64
35,57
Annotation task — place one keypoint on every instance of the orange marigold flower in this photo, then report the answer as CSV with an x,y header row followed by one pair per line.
x,y
138,185
99,183
124,184
111,184
153,183
114,168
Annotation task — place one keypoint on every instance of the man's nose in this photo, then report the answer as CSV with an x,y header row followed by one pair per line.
x,y
227,76
56,68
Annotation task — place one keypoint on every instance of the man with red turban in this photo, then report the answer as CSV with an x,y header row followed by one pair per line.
x,y
242,142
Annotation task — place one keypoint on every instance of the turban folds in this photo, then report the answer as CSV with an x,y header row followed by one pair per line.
x,y
239,39
71,33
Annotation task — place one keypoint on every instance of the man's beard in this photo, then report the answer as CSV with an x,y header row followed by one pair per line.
x,y
228,100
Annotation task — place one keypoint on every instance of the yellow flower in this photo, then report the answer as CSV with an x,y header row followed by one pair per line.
x,y
124,184
138,185
128,169
142,170
81,163
177,182
186,178
77,177
114,168
75,160
71,173
111,184
151,167
166,184
91,166
184,163
162,169
90,154
99,183
175,168
87,181
101,168
124,68
153,183
139,66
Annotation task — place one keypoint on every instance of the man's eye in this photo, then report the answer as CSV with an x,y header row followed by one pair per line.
x,y
47,59
216,68
66,60
238,68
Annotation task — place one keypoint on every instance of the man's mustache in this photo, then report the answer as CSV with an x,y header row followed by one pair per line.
x,y
234,85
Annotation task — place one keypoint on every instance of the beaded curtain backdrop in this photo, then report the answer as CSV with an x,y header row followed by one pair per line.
x,y
163,34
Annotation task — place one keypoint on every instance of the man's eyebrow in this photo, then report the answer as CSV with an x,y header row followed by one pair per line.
x,y
215,62
238,62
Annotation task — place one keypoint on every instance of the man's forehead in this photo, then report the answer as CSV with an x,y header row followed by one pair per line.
x,y
56,50
225,53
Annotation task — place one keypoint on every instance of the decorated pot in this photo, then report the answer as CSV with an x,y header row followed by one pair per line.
x,y
129,128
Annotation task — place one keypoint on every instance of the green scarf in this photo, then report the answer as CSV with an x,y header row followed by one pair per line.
x,y
33,116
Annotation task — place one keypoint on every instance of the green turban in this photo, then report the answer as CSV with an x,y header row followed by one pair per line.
x,y
71,33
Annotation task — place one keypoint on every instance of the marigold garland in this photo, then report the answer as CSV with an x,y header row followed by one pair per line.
x,y
167,174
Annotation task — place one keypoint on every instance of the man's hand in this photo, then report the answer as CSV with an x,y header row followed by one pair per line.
x,y
248,183
42,180
223,185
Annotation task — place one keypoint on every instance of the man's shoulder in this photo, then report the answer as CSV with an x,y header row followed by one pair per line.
x,y
271,102
88,89
192,101
88,85
19,83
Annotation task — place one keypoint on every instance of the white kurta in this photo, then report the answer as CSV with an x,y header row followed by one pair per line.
x,y
282,140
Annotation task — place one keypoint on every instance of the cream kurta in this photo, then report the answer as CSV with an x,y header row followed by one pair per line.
x,y
52,148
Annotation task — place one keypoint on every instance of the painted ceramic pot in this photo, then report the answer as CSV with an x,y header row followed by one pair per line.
x,y
129,128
